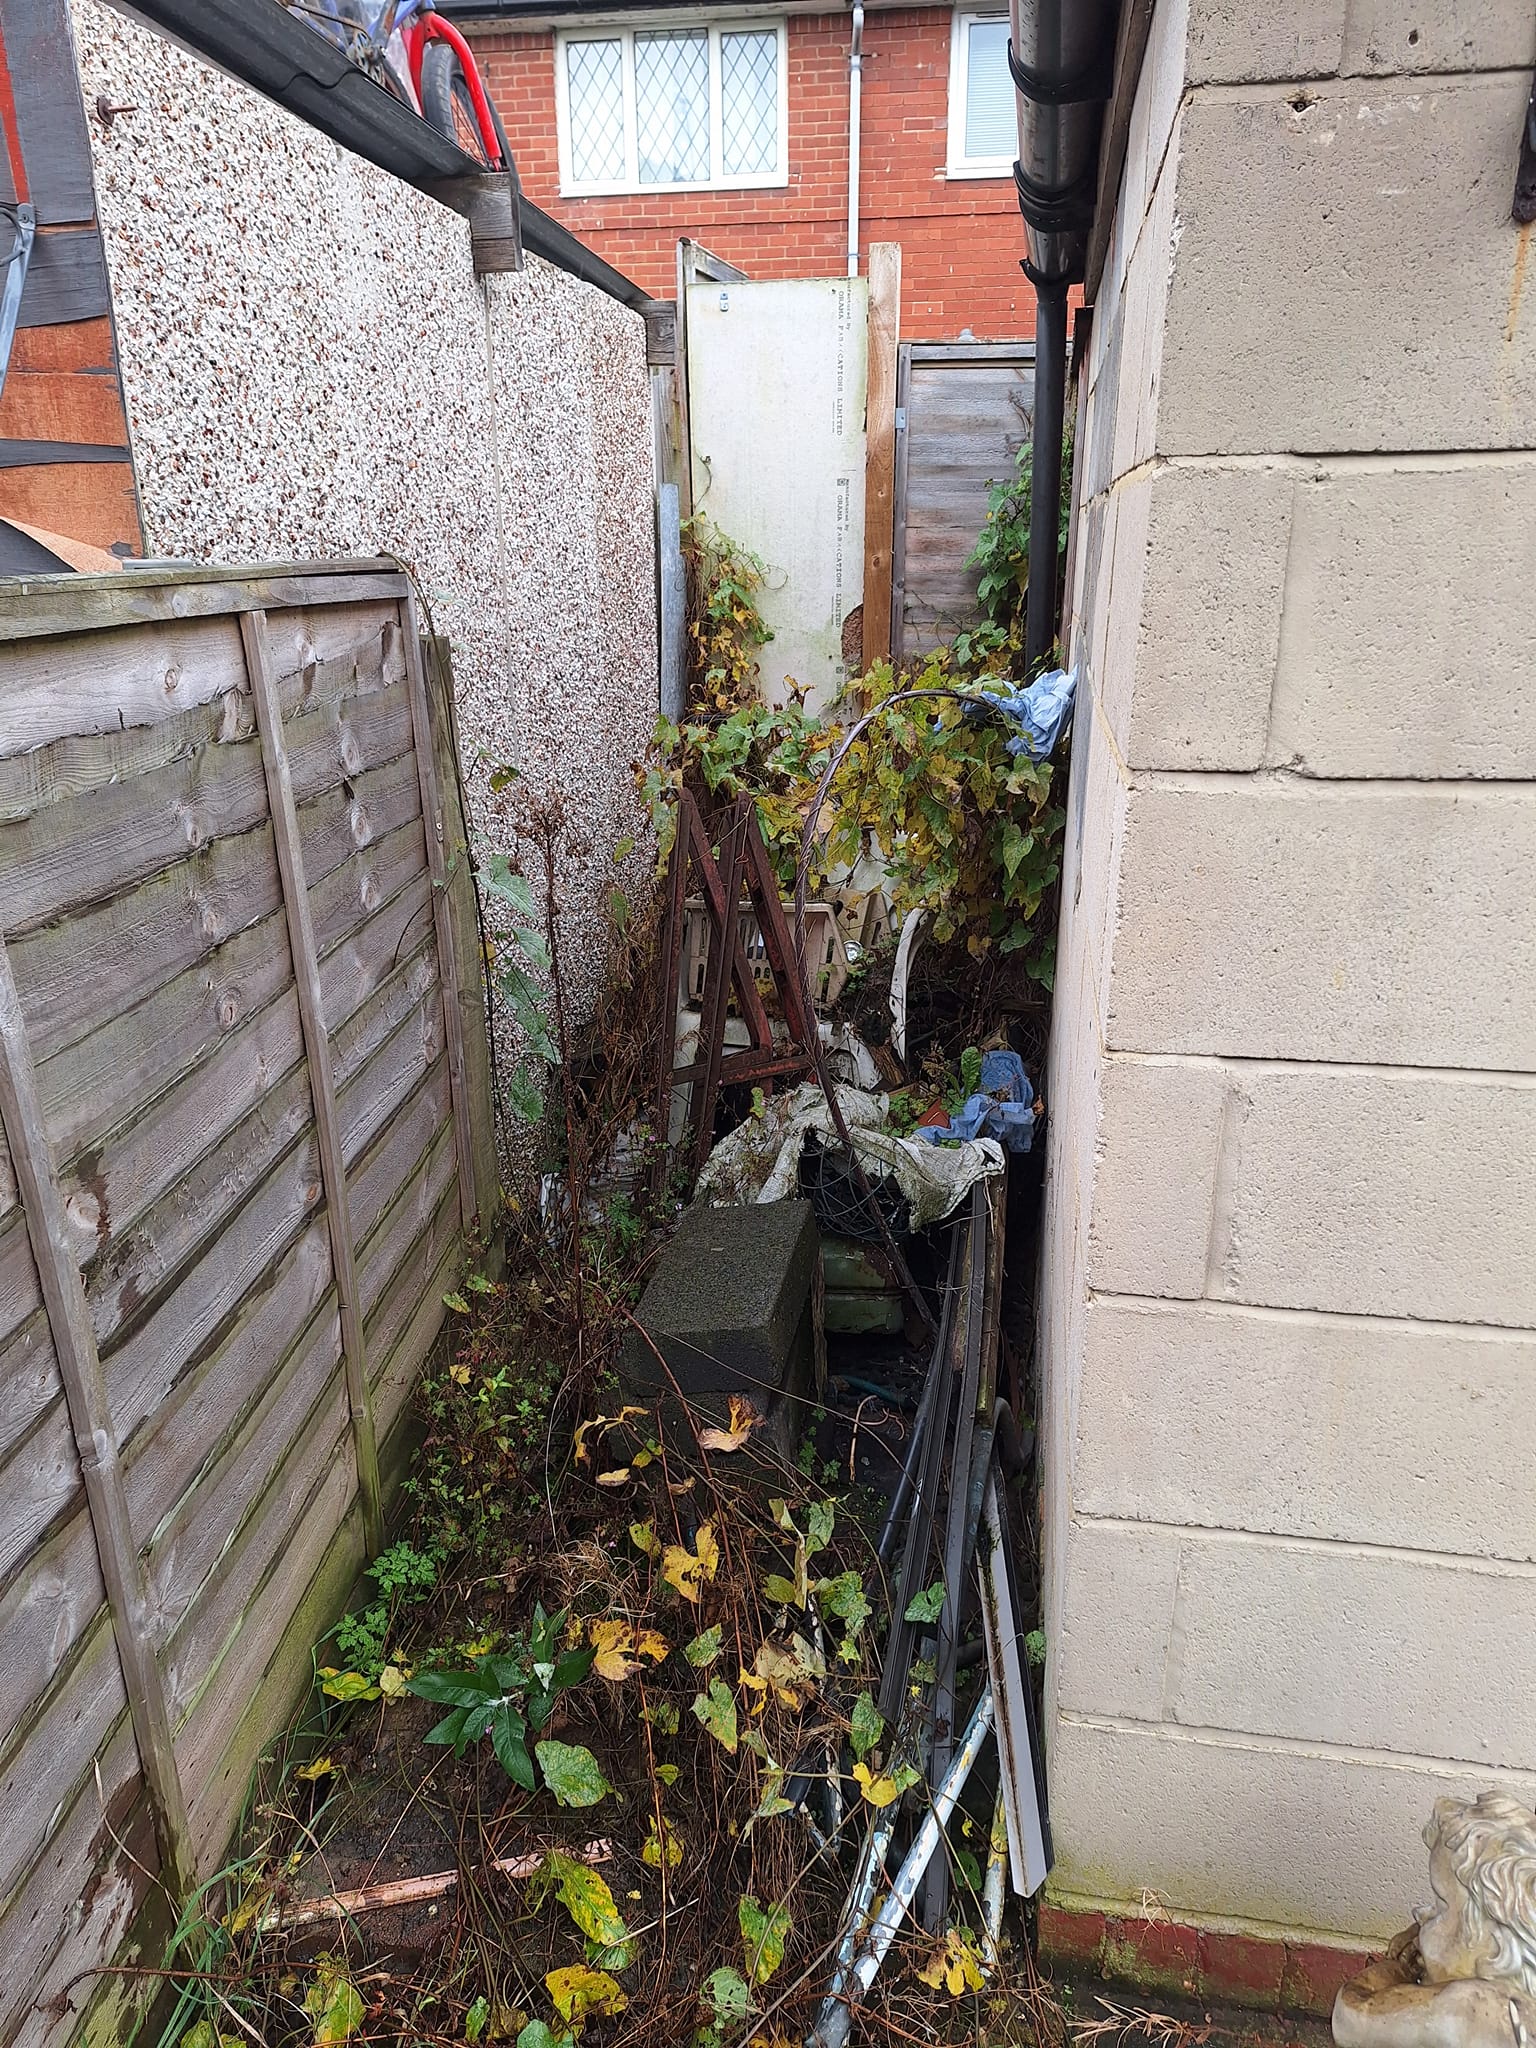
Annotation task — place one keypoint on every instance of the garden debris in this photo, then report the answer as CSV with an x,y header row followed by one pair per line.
x,y
408,1891
1040,712
760,1160
1003,1107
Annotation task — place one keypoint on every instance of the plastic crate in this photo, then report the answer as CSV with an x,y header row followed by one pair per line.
x,y
825,956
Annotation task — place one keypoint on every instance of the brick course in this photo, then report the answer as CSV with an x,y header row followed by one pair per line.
x,y
961,238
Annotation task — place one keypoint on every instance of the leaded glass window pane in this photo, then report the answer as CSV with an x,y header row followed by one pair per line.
x,y
749,103
595,78
672,108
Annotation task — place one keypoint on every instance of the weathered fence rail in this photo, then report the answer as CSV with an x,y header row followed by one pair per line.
x,y
242,1137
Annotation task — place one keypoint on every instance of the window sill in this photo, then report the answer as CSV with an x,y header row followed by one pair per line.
x,y
775,184
978,170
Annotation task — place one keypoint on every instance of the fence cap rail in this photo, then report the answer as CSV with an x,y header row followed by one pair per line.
x,y
32,607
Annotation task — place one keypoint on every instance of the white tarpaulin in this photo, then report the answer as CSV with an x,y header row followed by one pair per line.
x,y
760,1160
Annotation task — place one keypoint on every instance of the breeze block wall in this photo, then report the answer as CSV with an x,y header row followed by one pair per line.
x,y
1288,1328
961,238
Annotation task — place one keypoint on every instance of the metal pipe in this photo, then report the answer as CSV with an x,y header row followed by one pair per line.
x,y
1045,473
1061,55
992,1884
855,111
835,2020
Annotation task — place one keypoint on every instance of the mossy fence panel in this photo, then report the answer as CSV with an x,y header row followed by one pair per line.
x,y
242,1140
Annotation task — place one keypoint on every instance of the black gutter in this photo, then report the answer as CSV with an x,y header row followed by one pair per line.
x,y
1061,54
263,45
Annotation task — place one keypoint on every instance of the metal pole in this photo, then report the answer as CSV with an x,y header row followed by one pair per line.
x,y
1045,501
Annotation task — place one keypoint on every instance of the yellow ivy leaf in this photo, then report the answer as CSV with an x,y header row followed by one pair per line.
x,y
392,1680
613,1640
311,1772
577,1991
668,1842
955,1965
651,1643
620,1476
644,1538
601,1424
744,1418
879,1792
687,1570
459,1374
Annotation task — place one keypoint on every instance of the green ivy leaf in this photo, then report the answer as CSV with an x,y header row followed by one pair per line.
x,y
763,1936
585,1896
727,1996
716,1711
927,1605
844,1596
704,1648
333,2003
571,1773
475,2019
865,1727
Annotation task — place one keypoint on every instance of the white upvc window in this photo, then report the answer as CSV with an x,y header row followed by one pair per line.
x,y
983,118
672,109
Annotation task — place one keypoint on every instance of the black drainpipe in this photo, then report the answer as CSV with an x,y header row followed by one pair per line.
x,y
1061,54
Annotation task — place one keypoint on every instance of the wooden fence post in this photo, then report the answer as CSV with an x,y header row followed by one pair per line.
x,y
447,958
90,1415
880,447
317,1051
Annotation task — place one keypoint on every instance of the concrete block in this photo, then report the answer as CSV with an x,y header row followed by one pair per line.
x,y
1308,1642
1272,1422
1348,1191
1160,1135
1206,630
1230,43
1406,648
1397,36
728,1302
1357,241
1241,1829
1285,919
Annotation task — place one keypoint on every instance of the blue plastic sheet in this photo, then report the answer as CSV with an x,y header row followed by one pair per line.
x,y
1040,712
1003,1107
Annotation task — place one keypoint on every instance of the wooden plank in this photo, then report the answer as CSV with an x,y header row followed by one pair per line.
x,y
104,683
93,503
398,1145
81,1895
201,1527
424,1326
139,940
50,406
899,649
405,1207
91,1415
385,1085
48,111
29,1375
468,953
880,441
272,1689
246,1607
53,1747
336,649
20,1295
76,764
304,1504
32,608
44,1610
437,865
40,1487
370,806
363,925
184,1436
141,1199
317,1046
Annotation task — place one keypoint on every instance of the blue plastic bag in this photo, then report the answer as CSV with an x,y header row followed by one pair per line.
x,y
1004,1107
1041,712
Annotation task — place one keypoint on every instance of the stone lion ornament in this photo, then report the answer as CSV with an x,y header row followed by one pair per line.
x,y
1464,1975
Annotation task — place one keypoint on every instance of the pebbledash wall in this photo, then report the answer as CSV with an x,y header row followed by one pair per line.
x,y
1289,1300
311,369
961,238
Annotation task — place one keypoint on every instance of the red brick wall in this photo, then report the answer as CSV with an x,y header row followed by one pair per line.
x,y
961,239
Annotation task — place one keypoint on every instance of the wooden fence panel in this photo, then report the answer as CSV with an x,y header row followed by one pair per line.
x,y
244,1131
967,409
